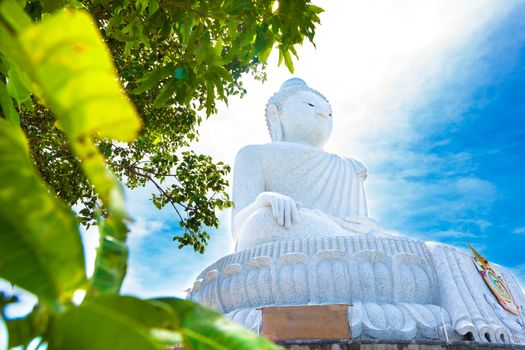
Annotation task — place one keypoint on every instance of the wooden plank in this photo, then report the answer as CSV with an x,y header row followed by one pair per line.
x,y
306,322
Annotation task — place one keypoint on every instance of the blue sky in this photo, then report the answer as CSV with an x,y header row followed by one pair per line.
x,y
430,96
474,189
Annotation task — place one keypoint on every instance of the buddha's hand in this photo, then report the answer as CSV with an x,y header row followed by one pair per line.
x,y
285,210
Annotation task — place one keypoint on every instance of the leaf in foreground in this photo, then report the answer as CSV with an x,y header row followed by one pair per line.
x,y
95,326
203,328
40,248
74,69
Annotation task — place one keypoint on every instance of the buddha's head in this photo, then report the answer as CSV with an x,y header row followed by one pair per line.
x,y
297,113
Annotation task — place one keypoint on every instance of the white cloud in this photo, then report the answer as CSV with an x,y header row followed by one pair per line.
x,y
519,230
158,268
143,227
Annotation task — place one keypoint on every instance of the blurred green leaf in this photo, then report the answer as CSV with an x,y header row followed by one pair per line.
x,y
96,326
40,248
14,15
11,49
75,72
150,313
52,5
106,184
203,328
76,77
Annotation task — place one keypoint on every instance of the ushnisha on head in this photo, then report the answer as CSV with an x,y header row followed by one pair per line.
x,y
298,113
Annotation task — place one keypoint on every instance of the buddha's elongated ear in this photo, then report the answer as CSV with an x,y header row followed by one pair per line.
x,y
274,122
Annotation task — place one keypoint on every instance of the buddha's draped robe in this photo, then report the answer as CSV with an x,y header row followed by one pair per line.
x,y
319,180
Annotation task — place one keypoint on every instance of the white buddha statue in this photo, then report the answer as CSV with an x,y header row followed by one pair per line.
x,y
292,189
304,238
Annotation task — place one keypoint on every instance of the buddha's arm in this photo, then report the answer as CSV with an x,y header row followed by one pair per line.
x,y
248,182
249,193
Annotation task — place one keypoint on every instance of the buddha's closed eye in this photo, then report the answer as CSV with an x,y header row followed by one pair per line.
x,y
310,104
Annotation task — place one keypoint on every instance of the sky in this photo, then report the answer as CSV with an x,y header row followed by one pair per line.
x,y
429,95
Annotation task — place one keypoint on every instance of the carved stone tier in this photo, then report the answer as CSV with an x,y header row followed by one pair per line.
x,y
323,270
469,301
397,287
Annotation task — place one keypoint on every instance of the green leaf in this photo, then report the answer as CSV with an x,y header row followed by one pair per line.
x,y
16,87
315,9
158,317
111,260
96,326
288,60
11,49
150,313
165,93
106,184
40,248
52,5
222,72
153,7
203,328
6,104
218,47
14,15
268,46
152,78
75,71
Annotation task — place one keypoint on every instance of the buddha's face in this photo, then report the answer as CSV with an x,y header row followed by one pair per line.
x,y
306,118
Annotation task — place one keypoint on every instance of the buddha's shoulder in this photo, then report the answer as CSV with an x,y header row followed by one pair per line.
x,y
249,150
355,162
248,153
358,166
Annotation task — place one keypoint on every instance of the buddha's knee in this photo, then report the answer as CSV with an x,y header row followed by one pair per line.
x,y
262,227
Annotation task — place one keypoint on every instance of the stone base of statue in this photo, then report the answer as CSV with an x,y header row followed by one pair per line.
x,y
396,288
371,344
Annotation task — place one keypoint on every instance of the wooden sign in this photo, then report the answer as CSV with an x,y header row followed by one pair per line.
x,y
306,322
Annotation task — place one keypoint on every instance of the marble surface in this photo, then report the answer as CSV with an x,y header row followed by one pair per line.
x,y
304,238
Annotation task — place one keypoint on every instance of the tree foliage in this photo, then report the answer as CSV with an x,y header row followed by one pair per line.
x,y
64,62
175,59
